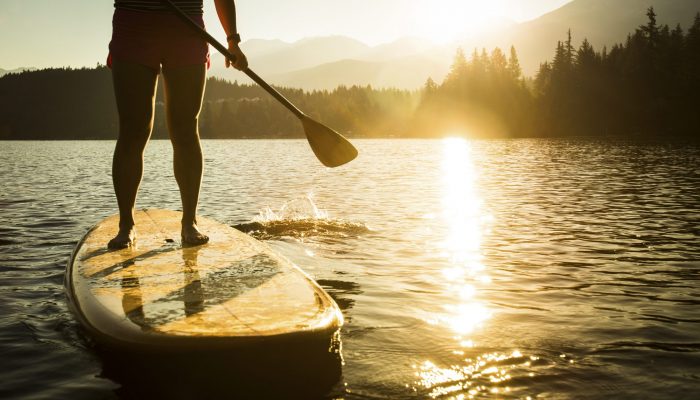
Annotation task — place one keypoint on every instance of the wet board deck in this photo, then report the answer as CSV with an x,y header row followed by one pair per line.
x,y
231,291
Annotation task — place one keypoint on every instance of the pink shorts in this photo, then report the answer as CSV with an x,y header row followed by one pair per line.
x,y
154,39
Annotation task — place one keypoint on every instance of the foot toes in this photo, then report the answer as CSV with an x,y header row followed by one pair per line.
x,y
118,244
195,240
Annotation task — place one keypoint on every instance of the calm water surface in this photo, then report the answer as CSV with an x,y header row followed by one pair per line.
x,y
484,269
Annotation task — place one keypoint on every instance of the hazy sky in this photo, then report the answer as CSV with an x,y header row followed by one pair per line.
x,y
51,33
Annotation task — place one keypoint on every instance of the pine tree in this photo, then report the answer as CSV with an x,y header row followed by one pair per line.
x,y
560,64
430,87
543,79
477,66
585,56
458,68
569,47
499,63
514,68
651,29
485,60
692,39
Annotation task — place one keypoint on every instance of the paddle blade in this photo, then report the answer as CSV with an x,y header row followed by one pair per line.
x,y
330,147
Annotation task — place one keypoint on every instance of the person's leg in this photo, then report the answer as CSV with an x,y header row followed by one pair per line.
x,y
184,90
134,90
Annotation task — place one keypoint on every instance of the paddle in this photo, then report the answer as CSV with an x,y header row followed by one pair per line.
x,y
330,147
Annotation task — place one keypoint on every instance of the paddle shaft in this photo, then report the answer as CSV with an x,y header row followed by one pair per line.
x,y
223,50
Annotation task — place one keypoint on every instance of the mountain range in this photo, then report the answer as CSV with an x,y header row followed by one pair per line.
x,y
14,71
326,62
602,22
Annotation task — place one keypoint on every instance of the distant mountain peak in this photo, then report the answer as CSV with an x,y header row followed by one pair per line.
x,y
325,61
4,72
328,38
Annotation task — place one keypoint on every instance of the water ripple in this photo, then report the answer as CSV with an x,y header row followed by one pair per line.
x,y
492,269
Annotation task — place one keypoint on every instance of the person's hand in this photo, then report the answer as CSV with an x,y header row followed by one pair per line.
x,y
241,61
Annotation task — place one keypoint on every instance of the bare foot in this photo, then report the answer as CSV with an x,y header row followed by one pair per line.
x,y
191,236
124,239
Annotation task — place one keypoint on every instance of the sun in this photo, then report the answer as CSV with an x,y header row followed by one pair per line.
x,y
443,21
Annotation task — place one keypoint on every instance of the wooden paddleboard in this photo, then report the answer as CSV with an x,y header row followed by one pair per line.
x,y
228,293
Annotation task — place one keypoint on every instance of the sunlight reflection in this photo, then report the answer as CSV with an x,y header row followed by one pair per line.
x,y
464,311
464,218
470,370
477,377
461,206
466,317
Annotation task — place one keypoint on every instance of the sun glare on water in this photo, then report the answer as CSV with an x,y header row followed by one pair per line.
x,y
464,217
445,20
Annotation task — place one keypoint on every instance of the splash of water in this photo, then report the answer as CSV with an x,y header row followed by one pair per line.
x,y
300,218
299,209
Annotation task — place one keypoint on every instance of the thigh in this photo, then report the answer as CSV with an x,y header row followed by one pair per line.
x,y
134,90
184,90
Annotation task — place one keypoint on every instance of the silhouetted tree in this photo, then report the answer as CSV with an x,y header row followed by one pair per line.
x,y
514,68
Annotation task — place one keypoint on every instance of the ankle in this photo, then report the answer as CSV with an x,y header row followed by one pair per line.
x,y
189,222
126,226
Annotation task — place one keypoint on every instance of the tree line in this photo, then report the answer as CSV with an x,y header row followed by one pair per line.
x,y
65,103
646,86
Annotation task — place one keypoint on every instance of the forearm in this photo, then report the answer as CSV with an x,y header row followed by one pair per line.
x,y
226,10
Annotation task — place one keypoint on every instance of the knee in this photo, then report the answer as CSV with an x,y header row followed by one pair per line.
x,y
183,131
132,144
135,133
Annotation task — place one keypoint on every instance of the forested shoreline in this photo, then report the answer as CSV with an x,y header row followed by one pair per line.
x,y
648,86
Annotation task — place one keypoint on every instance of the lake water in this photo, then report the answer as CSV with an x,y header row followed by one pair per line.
x,y
485,269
